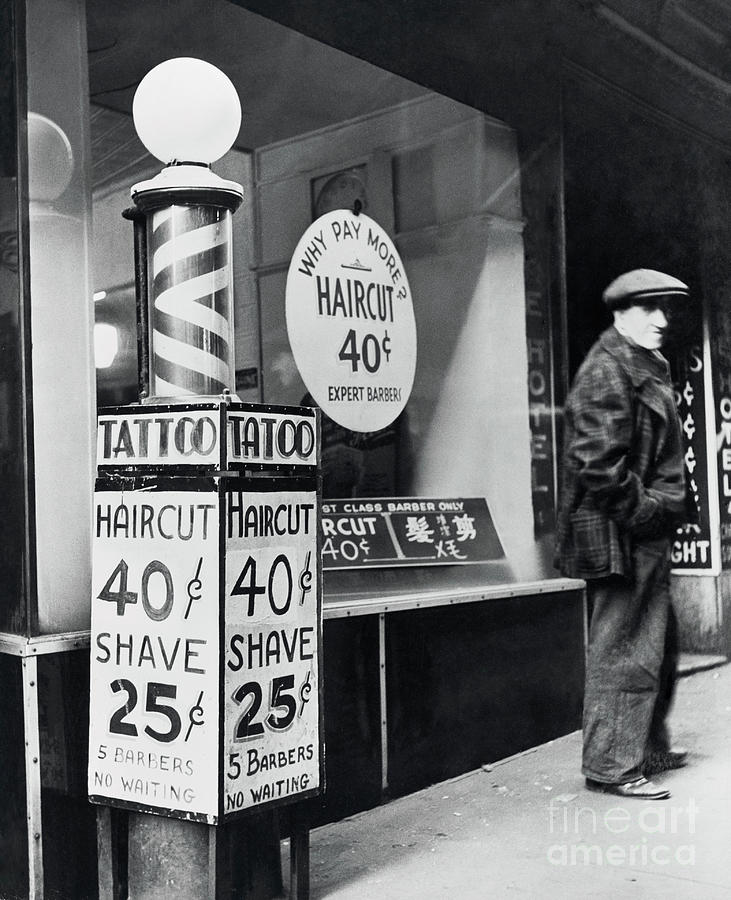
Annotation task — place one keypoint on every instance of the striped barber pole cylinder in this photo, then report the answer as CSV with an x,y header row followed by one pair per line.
x,y
190,301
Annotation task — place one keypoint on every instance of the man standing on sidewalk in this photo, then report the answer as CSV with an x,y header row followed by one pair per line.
x,y
623,497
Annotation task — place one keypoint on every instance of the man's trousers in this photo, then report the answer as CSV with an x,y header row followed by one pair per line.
x,y
631,666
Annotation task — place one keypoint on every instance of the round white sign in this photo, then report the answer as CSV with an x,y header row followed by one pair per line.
x,y
350,320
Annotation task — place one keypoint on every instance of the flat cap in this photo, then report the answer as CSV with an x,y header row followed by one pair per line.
x,y
640,285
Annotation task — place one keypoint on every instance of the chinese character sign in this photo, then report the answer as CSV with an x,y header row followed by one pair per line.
x,y
407,531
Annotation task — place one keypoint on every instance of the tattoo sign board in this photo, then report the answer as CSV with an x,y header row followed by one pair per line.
x,y
206,611
350,321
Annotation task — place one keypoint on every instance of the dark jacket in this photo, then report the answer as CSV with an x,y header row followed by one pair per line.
x,y
623,475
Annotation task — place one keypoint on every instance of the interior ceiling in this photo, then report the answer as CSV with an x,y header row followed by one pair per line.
x,y
288,84
699,30
672,54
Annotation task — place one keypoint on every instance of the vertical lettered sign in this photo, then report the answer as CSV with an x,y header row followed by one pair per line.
x,y
272,681
724,470
541,412
695,548
155,646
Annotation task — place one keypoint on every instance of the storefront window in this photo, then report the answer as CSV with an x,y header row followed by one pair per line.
x,y
323,131
14,558
61,316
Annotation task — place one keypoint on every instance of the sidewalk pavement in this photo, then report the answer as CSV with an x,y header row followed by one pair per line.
x,y
526,827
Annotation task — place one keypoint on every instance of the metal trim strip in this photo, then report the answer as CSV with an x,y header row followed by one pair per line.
x,y
367,606
19,645
31,723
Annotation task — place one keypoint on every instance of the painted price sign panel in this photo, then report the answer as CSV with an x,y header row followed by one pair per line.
x,y
155,648
350,321
272,679
407,531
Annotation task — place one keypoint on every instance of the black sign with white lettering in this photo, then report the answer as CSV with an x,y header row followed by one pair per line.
x,y
415,531
693,546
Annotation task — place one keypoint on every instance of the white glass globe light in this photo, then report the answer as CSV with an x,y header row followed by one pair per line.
x,y
187,110
50,158
106,344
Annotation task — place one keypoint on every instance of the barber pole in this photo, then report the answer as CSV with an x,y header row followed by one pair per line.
x,y
189,290
190,297
206,595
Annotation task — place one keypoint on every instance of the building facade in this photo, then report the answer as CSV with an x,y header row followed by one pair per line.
x,y
520,156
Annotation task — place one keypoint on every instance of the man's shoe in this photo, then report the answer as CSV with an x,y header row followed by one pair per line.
x,y
662,760
640,788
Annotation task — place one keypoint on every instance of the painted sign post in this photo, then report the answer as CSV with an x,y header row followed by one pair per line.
x,y
206,610
350,321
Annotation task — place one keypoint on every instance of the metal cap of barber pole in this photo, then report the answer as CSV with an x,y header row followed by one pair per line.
x,y
187,113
